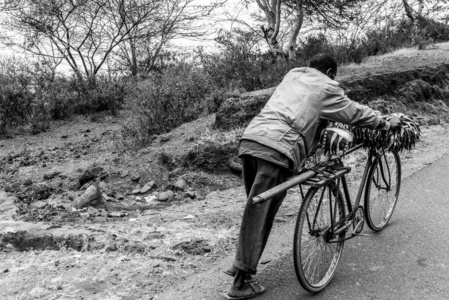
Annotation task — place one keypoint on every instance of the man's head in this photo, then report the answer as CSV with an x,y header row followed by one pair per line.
x,y
324,63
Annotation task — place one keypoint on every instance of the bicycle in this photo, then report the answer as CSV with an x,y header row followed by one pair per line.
x,y
327,217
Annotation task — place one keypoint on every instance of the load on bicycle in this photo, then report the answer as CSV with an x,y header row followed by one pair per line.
x,y
275,146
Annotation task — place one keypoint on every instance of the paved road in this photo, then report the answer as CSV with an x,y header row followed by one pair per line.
x,y
408,260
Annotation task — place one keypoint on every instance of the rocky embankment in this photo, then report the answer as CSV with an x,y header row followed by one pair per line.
x,y
415,92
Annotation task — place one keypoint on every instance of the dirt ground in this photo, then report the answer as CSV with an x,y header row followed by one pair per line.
x,y
130,246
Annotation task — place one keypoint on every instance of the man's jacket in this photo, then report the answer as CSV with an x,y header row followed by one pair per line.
x,y
303,100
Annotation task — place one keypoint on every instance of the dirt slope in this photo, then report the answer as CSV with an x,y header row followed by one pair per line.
x,y
127,247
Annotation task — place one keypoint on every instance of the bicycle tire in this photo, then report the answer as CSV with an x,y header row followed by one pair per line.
x,y
382,191
321,264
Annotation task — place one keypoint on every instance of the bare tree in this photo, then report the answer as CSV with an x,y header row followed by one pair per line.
x,y
430,9
83,33
173,19
420,13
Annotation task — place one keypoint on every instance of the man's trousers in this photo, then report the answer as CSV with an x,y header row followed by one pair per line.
x,y
258,176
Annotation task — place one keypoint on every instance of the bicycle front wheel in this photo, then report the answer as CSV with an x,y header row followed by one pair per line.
x,y
315,257
382,190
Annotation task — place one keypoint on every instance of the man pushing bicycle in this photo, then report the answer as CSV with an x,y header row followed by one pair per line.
x,y
274,146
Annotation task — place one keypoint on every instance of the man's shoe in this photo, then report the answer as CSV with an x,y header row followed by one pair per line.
x,y
252,288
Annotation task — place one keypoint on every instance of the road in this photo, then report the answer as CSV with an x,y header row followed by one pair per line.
x,y
407,260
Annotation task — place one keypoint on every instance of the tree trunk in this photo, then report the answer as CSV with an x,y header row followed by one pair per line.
x,y
134,67
292,45
408,10
273,43
273,17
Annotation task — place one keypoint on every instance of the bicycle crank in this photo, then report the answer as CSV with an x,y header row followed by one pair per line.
x,y
357,222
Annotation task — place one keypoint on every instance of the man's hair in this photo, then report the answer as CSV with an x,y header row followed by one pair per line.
x,y
323,62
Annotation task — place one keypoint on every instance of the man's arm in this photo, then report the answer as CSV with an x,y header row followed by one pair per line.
x,y
337,107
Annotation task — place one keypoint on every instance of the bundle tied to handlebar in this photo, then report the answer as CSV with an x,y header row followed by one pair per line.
x,y
404,138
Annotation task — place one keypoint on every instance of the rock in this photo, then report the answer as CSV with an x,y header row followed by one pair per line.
x,y
124,174
151,198
28,182
102,186
92,211
165,139
154,236
166,196
100,220
91,194
235,164
91,174
237,111
7,207
189,217
147,187
51,175
190,194
35,193
194,247
180,184
135,177
108,198
417,90
176,172
136,191
434,121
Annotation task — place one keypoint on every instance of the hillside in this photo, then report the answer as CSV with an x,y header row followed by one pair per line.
x,y
171,210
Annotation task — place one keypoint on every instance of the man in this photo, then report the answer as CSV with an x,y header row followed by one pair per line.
x,y
274,146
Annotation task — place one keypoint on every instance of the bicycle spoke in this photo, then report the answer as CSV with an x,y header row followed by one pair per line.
x,y
317,258
382,190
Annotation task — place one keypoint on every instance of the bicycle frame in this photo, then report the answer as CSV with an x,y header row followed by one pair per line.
x,y
368,164
336,228
335,179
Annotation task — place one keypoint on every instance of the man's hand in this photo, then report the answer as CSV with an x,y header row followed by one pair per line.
x,y
395,123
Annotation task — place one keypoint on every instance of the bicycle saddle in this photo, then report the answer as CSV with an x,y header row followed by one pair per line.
x,y
336,139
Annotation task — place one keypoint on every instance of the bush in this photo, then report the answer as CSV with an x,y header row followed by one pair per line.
x,y
374,42
240,65
165,101
437,32
15,107
105,94
16,98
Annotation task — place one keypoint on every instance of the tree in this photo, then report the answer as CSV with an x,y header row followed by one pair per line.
x,y
147,41
422,12
83,33
329,13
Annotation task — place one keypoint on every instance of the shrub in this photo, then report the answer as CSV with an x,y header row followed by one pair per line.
x,y
165,101
240,65
15,93
105,94
15,106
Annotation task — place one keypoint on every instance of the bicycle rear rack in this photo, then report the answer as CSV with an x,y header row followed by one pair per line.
x,y
322,178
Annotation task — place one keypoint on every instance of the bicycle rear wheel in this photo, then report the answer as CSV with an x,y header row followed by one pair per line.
x,y
316,259
382,190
